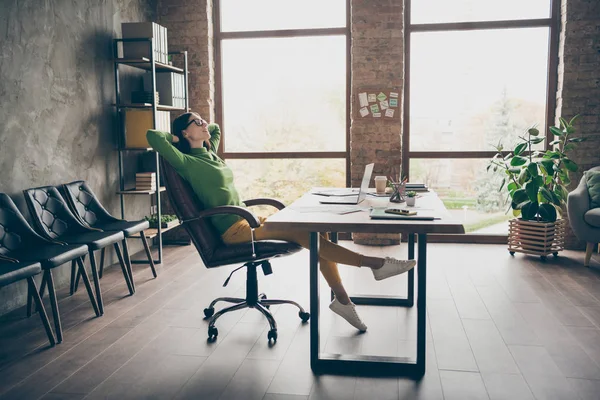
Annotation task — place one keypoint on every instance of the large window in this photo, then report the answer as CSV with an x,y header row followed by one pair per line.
x,y
479,72
282,79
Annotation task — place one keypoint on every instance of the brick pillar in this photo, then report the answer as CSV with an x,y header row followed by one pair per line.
x,y
190,27
578,90
377,61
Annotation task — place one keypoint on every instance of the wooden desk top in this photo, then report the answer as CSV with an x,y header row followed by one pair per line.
x,y
296,218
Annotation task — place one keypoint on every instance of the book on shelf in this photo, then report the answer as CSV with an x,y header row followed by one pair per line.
x,y
146,30
170,85
137,123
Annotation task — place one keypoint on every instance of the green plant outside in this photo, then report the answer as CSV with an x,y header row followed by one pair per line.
x,y
484,223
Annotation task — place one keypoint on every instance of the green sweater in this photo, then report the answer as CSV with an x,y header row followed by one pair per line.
x,y
210,178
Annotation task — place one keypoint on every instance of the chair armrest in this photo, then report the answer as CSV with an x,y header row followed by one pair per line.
x,y
265,201
241,211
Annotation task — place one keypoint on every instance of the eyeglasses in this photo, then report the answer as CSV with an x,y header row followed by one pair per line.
x,y
199,122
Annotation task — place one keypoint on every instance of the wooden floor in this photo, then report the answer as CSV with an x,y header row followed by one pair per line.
x,y
499,327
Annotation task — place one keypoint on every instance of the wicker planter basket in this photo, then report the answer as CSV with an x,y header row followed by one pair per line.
x,y
537,238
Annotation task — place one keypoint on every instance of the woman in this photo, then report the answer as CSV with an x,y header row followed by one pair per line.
x,y
191,150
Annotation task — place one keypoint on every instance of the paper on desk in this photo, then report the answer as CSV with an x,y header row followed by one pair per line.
x,y
332,209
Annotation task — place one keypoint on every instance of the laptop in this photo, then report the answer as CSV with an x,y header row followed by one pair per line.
x,y
354,199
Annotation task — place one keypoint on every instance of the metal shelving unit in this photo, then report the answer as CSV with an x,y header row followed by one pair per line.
x,y
148,64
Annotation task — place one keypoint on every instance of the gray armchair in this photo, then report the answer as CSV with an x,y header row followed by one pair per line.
x,y
585,222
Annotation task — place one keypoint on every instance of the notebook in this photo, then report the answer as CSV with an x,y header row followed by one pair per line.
x,y
362,192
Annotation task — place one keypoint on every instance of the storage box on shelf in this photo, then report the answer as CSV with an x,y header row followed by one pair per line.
x,y
144,46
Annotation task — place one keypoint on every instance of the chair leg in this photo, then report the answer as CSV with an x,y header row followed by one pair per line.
x,y
77,278
227,299
124,268
74,271
101,271
267,315
128,262
32,289
54,304
214,318
589,249
96,279
148,253
30,300
41,294
269,302
88,287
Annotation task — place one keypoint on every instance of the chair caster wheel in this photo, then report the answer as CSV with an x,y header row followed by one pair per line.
x,y
272,335
555,254
208,312
512,253
304,316
213,332
543,258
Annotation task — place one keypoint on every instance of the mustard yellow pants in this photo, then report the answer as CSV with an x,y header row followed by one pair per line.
x,y
330,254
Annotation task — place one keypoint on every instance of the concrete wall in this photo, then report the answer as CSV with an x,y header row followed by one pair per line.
x,y
56,90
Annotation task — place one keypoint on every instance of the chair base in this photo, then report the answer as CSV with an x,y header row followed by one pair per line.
x,y
262,304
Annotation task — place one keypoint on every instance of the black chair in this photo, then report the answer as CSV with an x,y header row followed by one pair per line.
x,y
11,272
215,253
19,242
55,222
85,205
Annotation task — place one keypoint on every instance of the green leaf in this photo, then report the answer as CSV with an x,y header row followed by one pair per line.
x,y
564,178
532,190
547,212
533,132
517,161
532,169
570,129
547,166
570,165
553,155
552,143
546,194
576,140
516,213
556,131
519,196
539,180
568,147
563,122
520,148
529,210
502,185
511,187
573,119
514,170
537,140
523,176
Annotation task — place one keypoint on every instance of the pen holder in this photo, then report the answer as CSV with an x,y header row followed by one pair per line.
x,y
399,192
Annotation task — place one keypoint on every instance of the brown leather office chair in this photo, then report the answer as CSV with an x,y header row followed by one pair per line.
x,y
215,253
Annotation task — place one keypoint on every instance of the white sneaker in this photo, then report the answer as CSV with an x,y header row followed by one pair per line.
x,y
348,312
393,267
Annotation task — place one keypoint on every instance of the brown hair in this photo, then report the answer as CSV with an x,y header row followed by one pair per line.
x,y
179,125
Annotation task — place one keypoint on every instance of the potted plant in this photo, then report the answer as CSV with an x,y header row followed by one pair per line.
x,y
536,183
167,221
411,197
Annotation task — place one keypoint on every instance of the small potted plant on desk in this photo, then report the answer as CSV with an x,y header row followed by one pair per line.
x,y
411,197
536,184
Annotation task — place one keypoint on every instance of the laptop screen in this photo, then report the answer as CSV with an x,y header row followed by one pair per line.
x,y
364,186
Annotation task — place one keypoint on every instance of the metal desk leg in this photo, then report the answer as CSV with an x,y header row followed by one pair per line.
x,y
314,300
421,303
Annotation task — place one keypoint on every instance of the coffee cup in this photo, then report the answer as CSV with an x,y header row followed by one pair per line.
x,y
380,184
